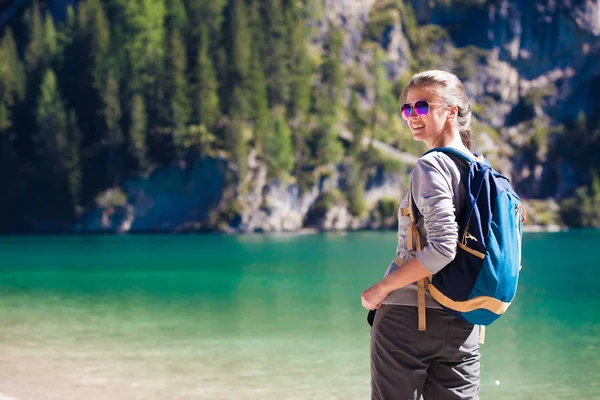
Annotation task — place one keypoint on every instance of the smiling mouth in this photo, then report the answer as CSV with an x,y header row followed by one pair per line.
x,y
418,127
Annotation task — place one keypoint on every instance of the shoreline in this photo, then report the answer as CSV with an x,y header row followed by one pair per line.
x,y
232,232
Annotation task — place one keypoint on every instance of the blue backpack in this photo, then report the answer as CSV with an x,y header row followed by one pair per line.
x,y
480,283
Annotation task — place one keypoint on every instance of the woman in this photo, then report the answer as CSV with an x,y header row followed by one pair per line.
x,y
442,361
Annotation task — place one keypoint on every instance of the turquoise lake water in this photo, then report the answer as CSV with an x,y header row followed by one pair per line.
x,y
263,317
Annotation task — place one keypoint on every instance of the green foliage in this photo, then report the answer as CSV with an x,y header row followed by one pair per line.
x,y
12,77
259,106
205,99
95,34
278,152
205,15
112,110
113,197
356,192
300,66
542,212
56,150
34,52
72,160
275,52
537,95
382,16
5,120
424,55
50,39
201,139
388,207
51,118
409,21
466,60
326,146
175,90
137,132
239,42
583,209
384,97
139,37
236,144
332,75
357,124
176,16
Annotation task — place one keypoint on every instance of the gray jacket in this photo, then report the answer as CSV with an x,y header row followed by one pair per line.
x,y
436,188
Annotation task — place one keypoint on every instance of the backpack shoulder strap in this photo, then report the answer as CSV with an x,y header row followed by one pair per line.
x,y
413,238
413,241
463,162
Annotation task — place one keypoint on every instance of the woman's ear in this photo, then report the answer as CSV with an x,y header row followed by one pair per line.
x,y
452,113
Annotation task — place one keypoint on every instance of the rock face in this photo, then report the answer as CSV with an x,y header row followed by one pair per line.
x,y
350,16
275,206
547,43
171,199
176,199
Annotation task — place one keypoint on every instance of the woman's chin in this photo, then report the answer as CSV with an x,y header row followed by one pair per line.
x,y
418,135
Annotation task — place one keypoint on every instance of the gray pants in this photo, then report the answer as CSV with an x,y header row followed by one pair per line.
x,y
439,363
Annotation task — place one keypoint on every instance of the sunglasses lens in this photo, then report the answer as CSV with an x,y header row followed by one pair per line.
x,y
405,110
422,108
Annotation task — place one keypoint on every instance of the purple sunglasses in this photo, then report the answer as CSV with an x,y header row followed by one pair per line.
x,y
421,108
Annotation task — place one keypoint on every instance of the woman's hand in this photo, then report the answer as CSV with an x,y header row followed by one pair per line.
x,y
373,296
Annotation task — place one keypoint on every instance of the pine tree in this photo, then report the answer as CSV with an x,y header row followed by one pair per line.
x,y
325,143
589,208
12,92
239,42
72,160
236,144
301,69
53,150
139,38
205,15
278,148
205,34
177,102
23,116
96,30
357,124
235,140
356,192
238,48
52,120
384,97
275,53
114,136
176,17
97,81
137,132
85,72
34,53
332,75
50,40
205,100
12,75
259,106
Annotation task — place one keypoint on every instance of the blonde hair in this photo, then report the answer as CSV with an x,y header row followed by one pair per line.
x,y
451,91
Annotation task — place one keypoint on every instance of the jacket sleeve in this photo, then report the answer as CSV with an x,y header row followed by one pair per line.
x,y
433,195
